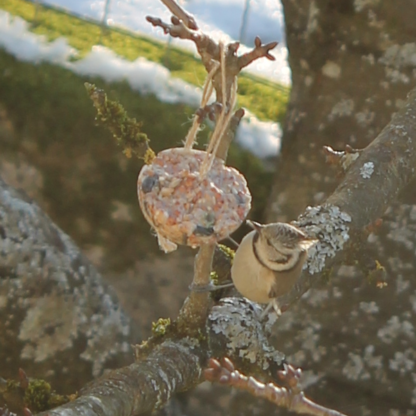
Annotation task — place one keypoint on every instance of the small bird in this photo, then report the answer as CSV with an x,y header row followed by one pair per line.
x,y
269,261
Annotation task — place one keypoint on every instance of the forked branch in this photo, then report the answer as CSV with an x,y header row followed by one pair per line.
x,y
290,397
260,51
209,49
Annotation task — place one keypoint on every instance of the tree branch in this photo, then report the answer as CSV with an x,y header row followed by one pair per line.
x,y
260,51
372,181
291,397
176,363
181,14
209,51
55,307
140,387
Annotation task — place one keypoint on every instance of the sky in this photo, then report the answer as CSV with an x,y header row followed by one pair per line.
x,y
146,77
221,19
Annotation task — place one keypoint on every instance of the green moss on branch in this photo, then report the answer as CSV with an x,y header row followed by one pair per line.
x,y
126,131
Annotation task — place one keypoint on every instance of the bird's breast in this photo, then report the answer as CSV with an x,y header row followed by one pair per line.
x,y
250,278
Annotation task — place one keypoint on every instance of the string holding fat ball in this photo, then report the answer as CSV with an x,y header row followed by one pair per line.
x,y
206,95
224,117
189,196
218,133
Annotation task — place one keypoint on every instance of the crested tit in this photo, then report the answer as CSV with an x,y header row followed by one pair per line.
x,y
269,261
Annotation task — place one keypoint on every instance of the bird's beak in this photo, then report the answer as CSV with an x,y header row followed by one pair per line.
x,y
254,225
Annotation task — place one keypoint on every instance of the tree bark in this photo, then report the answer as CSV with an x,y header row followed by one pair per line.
x,y
175,364
57,317
353,64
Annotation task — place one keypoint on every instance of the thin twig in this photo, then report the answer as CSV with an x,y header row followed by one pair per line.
x,y
225,124
202,267
228,104
230,133
206,94
291,397
23,379
216,135
181,14
259,51
177,29
208,49
343,159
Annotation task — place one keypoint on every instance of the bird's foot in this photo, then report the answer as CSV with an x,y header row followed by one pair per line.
x,y
273,304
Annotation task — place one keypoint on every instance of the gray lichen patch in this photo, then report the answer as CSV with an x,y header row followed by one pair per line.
x,y
177,365
395,328
395,76
316,297
398,59
330,226
400,56
51,324
342,108
364,366
101,331
313,15
367,170
365,118
403,361
359,5
369,307
331,70
403,235
237,320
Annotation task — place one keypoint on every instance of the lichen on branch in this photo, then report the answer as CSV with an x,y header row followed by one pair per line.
x,y
126,131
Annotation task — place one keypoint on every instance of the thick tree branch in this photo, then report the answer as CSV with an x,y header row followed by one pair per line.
x,y
391,160
176,364
140,387
371,183
54,306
